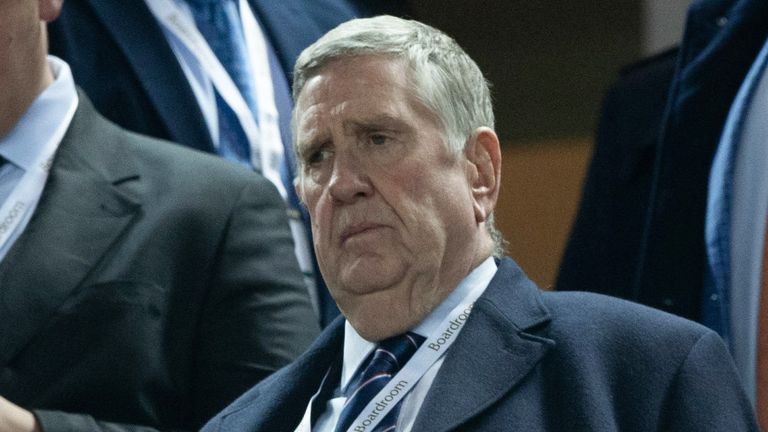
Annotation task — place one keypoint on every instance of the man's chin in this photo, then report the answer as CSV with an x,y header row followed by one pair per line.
x,y
380,315
369,275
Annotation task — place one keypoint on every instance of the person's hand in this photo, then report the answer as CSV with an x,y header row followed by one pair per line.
x,y
14,418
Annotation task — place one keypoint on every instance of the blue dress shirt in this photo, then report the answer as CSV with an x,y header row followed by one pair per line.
x,y
736,221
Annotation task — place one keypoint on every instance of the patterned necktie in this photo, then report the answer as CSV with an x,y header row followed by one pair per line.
x,y
382,365
219,23
761,381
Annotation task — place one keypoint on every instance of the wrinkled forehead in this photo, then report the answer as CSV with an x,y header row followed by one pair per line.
x,y
354,86
342,73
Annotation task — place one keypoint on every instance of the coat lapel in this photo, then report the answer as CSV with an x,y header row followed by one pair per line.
x,y
493,352
292,25
133,26
279,403
89,199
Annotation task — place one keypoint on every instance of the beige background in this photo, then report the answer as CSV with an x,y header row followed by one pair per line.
x,y
541,186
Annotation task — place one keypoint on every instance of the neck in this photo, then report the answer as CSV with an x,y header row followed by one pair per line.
x,y
25,80
383,315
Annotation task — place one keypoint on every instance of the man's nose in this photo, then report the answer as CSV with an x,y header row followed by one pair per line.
x,y
349,179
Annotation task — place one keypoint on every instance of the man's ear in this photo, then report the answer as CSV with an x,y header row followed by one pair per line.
x,y
483,153
49,9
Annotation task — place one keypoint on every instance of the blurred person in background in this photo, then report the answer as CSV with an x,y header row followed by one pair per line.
x,y
674,209
142,285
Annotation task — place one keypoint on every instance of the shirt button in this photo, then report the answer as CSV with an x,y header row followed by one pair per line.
x,y
722,21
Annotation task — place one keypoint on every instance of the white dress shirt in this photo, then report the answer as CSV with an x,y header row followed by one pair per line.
x,y
356,350
23,145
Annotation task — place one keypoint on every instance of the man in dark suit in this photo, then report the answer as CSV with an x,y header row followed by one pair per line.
x,y
639,233
123,58
142,285
399,167
674,216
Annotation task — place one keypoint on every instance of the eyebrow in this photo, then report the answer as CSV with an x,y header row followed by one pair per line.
x,y
379,121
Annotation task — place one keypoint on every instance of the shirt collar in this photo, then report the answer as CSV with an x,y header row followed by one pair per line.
x,y
356,349
23,144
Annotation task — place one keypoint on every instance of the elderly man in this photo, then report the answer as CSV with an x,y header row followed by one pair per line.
x,y
400,171
142,285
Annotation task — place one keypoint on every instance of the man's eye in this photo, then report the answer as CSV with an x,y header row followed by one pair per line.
x,y
316,156
377,139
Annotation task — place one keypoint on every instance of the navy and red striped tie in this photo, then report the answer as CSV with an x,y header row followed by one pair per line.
x,y
388,358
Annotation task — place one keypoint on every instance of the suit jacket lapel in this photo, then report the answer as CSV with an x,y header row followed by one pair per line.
x,y
279,403
89,199
289,28
493,352
292,25
133,26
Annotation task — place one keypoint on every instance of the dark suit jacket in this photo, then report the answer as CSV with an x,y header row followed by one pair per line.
x,y
640,229
152,286
120,57
536,361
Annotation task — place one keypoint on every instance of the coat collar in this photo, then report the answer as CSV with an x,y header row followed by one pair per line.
x,y
91,196
279,402
718,30
499,345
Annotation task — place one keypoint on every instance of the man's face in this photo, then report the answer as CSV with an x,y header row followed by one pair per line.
x,y
391,207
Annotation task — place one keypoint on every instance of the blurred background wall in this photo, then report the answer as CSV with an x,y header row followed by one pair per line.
x,y
550,63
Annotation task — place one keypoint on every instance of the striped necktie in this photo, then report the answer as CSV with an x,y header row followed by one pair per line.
x,y
384,362
219,23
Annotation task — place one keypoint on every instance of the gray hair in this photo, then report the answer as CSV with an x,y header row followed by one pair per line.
x,y
444,78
